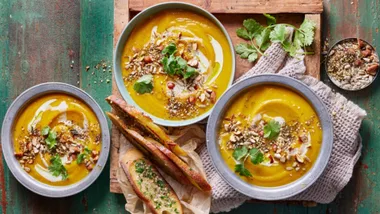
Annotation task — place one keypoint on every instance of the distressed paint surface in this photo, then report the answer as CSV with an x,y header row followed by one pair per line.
x,y
41,40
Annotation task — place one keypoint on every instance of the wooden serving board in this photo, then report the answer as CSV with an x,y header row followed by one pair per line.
x,y
231,14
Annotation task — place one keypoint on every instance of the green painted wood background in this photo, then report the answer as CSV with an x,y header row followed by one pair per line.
x,y
55,40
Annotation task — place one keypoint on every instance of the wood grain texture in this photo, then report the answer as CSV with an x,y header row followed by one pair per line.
x,y
244,6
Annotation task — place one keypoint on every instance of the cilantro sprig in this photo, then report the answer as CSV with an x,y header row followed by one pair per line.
x,y
176,65
85,154
260,37
144,84
56,167
272,130
51,139
241,154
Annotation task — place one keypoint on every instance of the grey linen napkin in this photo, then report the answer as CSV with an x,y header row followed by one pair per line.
x,y
347,118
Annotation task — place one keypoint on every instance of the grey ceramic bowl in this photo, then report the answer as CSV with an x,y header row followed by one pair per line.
x,y
7,139
327,59
269,193
139,19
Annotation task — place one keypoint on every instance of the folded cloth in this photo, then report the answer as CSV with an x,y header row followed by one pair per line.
x,y
346,116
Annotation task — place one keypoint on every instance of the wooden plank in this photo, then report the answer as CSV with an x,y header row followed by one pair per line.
x,y
313,62
244,6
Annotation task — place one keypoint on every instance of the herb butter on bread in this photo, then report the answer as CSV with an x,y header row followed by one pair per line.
x,y
149,185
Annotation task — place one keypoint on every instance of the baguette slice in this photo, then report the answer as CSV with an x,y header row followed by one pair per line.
x,y
146,123
194,177
149,185
149,150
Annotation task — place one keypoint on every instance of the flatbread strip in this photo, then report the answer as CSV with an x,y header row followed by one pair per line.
x,y
149,185
149,150
195,177
146,123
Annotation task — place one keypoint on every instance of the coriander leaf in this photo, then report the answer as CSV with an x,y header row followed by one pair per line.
x,y
243,33
291,48
190,72
252,57
240,152
253,27
278,33
242,170
144,84
256,156
45,131
270,19
170,49
181,62
307,28
87,151
56,167
263,40
272,129
80,158
172,65
51,141
244,50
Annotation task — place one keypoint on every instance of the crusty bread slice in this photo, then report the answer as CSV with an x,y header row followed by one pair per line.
x,y
144,122
194,177
149,185
149,150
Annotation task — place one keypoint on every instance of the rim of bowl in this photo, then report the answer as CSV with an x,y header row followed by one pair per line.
x,y
259,192
140,17
17,107
327,59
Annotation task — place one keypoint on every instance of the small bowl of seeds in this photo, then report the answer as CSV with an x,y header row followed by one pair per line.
x,y
352,64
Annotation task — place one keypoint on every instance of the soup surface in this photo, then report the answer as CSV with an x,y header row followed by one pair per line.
x,y
176,65
57,139
270,136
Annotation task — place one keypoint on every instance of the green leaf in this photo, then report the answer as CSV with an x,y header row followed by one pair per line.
x,y
45,131
190,72
307,28
243,33
256,156
170,49
144,84
56,167
87,151
291,48
272,129
181,62
278,33
239,168
253,27
263,40
80,158
240,153
270,19
51,141
252,57
244,50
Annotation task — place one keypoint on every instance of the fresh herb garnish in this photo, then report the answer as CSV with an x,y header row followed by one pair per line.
x,y
144,84
242,170
45,130
260,37
256,156
272,129
56,167
242,153
140,166
176,65
83,155
51,140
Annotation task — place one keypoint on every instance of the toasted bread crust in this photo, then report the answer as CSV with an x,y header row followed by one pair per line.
x,y
195,177
127,164
146,123
149,150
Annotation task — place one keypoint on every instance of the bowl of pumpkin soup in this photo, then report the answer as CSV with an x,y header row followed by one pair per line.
x,y
270,137
174,61
55,139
